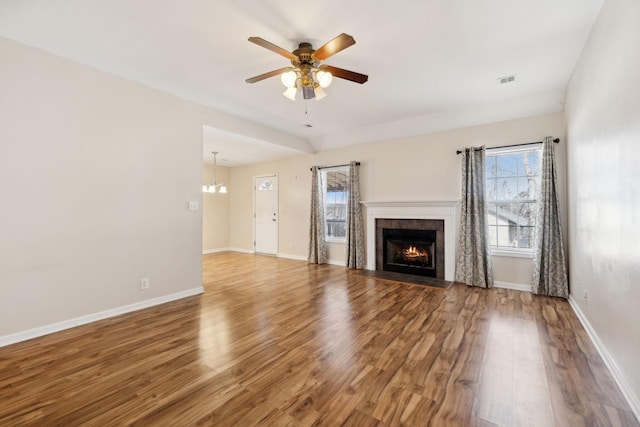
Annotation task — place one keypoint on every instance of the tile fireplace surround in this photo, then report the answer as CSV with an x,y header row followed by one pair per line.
x,y
443,210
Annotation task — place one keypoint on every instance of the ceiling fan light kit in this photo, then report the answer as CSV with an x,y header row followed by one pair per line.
x,y
308,75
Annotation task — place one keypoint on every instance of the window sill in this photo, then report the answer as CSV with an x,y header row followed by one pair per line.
x,y
512,253
335,240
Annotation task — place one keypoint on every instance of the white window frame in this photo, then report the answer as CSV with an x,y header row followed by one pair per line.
x,y
505,251
332,239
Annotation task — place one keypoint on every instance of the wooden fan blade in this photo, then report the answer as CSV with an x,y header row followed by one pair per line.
x,y
341,42
346,74
267,75
272,47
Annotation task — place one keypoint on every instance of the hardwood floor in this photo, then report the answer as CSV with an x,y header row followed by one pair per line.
x,y
277,342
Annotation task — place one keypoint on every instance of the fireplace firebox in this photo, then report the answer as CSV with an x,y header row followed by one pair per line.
x,y
409,251
410,246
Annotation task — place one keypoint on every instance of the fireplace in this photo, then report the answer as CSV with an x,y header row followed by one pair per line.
x,y
445,211
410,246
409,251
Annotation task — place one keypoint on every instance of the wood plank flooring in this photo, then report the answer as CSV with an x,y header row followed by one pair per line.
x,y
277,342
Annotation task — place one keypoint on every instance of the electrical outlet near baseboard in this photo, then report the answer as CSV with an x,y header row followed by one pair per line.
x,y
144,283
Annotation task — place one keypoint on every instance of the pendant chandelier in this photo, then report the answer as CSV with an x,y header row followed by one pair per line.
x,y
215,187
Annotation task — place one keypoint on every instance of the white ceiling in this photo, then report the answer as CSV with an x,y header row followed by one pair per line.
x,y
432,64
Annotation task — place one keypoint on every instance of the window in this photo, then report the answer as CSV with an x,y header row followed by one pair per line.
x,y
265,185
513,180
335,203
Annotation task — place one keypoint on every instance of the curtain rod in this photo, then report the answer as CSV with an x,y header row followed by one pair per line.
x,y
514,145
336,166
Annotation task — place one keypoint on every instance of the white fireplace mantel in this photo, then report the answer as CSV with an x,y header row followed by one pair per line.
x,y
445,210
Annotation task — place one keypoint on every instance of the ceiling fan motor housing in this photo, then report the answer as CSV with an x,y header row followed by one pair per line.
x,y
304,52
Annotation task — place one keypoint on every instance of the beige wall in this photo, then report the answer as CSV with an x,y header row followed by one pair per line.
x,y
603,128
96,173
418,168
215,211
293,204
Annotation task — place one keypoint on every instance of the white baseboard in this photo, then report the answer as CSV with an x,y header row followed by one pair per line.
x,y
215,251
303,258
514,286
296,257
241,250
245,251
83,320
627,392
280,255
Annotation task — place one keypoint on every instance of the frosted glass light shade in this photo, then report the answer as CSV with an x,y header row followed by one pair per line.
x,y
324,78
320,93
290,93
288,78
223,189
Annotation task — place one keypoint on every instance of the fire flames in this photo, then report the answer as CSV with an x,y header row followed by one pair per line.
x,y
413,252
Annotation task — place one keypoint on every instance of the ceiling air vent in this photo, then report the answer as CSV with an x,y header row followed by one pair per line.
x,y
506,79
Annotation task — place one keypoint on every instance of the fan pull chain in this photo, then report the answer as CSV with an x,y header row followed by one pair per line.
x,y
305,107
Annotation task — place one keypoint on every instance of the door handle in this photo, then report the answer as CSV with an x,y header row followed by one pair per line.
x,y
273,219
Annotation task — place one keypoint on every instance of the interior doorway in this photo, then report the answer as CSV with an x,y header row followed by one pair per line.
x,y
265,215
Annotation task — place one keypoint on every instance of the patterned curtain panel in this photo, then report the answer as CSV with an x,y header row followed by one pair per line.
x,y
317,246
549,267
354,248
473,264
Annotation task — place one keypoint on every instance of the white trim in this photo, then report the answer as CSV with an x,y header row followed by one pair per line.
x,y
492,151
89,318
289,256
510,285
338,240
241,250
446,210
215,251
512,253
333,168
618,377
304,258
412,204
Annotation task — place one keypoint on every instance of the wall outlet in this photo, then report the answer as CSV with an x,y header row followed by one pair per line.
x,y
144,283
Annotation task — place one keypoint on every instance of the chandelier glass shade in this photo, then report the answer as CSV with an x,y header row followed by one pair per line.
x,y
214,187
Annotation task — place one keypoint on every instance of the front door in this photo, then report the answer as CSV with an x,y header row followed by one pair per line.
x,y
265,196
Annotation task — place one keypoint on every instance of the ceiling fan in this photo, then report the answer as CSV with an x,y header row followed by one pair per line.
x,y
307,73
